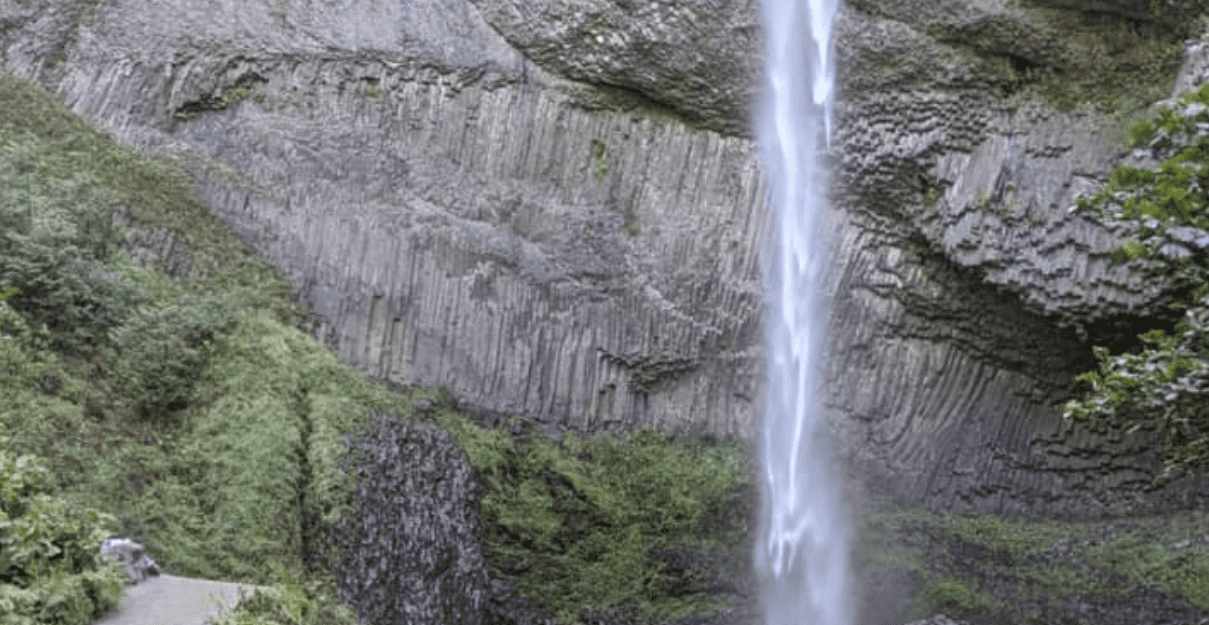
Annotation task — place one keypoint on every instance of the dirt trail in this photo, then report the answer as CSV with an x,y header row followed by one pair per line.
x,y
171,600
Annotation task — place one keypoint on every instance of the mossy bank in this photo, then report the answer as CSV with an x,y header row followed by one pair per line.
x,y
989,570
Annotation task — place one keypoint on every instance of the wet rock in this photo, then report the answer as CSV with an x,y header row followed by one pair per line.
x,y
698,59
1194,237
408,549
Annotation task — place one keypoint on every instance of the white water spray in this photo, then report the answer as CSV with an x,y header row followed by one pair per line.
x,y
802,553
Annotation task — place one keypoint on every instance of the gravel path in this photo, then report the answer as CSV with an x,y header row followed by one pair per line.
x,y
171,600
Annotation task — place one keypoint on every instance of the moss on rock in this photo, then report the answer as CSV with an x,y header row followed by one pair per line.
x,y
987,569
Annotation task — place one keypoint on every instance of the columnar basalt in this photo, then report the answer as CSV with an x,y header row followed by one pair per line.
x,y
554,211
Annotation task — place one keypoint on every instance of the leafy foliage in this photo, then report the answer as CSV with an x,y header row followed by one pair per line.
x,y
199,416
50,567
1164,385
291,601
253,474
163,349
153,192
212,429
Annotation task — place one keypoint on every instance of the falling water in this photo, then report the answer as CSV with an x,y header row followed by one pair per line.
x,y
802,554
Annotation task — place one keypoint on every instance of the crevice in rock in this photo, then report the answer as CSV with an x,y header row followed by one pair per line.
x,y
238,90
308,517
610,96
990,321
648,374
1114,10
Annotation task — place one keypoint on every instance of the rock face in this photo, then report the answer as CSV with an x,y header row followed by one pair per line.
x,y
454,215
554,209
968,294
409,552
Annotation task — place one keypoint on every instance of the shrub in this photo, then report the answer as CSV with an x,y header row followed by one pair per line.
x,y
155,192
953,597
600,525
56,237
163,350
291,603
1164,385
50,568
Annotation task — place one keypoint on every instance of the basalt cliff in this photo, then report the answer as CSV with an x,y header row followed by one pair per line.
x,y
554,209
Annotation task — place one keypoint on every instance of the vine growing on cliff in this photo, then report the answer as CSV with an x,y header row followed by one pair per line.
x,y
1165,209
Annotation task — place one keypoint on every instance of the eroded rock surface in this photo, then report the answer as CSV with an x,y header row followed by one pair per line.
x,y
554,210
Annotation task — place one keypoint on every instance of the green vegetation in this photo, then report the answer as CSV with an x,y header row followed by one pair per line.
x,y
162,347
989,569
931,197
233,95
1163,385
1171,557
600,163
290,602
1116,67
985,202
193,412
239,93
56,237
951,596
594,525
154,193
630,225
51,572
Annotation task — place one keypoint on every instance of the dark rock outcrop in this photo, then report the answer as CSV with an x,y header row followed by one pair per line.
x,y
408,550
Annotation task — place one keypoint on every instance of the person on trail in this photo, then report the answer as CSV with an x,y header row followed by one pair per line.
x,y
131,556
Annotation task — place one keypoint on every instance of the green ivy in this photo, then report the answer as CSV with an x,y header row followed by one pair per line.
x,y
1164,385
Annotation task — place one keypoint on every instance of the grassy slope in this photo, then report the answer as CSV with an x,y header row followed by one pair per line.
x,y
213,486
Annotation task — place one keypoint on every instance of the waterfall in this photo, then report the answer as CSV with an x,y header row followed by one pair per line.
x,y
802,551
